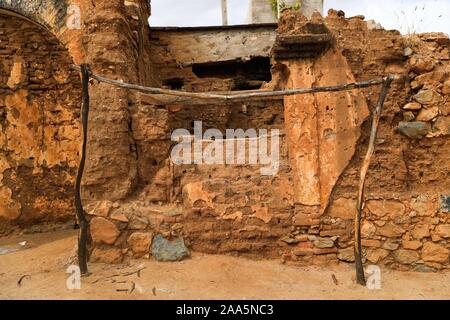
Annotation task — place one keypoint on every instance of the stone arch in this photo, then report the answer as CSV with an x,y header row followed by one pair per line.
x,y
39,127
52,15
49,13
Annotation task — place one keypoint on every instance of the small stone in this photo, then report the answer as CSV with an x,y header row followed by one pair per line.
x,y
347,255
408,52
390,245
302,237
445,203
138,223
164,250
116,205
109,255
343,208
428,114
411,244
412,106
103,230
262,213
381,208
324,243
101,209
391,230
396,68
423,268
443,230
368,229
439,38
174,107
371,243
428,97
377,255
415,129
140,242
17,76
421,231
408,116
435,238
299,220
444,109
441,127
119,216
177,226
421,64
406,256
432,252
446,88
9,209
373,25
424,205
289,240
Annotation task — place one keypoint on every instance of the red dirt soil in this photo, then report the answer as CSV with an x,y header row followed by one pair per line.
x,y
45,256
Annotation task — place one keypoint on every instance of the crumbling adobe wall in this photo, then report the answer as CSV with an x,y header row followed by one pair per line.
x,y
39,129
216,209
113,39
227,55
406,216
228,209
234,210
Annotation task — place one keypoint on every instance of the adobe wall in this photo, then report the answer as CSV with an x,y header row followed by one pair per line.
x,y
39,129
112,38
132,190
226,54
235,210
406,215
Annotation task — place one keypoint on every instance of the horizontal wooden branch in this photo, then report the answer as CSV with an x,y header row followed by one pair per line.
x,y
234,96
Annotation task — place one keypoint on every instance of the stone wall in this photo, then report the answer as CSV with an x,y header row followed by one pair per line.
x,y
39,129
113,39
175,54
135,195
406,216
235,210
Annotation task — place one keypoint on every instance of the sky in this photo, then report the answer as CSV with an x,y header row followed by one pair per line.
x,y
404,15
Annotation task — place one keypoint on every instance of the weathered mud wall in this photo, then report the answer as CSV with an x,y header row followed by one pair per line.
x,y
39,129
233,58
406,216
110,36
234,210
230,209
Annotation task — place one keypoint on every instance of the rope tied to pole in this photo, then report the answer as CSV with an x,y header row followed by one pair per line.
x,y
234,96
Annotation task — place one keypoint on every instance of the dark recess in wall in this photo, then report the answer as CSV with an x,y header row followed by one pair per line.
x,y
247,75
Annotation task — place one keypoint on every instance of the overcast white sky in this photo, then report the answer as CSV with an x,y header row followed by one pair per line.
x,y
403,15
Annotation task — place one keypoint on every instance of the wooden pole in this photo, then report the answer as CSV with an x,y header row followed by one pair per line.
x,y
360,277
82,221
234,96
224,13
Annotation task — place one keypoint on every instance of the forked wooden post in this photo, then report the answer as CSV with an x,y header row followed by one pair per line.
x,y
360,277
82,221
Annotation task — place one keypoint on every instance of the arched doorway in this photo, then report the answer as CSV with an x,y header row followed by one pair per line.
x,y
39,126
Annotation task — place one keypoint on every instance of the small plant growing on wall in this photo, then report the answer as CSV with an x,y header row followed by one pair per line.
x,y
284,6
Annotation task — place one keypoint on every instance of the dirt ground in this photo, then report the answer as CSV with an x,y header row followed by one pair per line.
x,y
41,267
